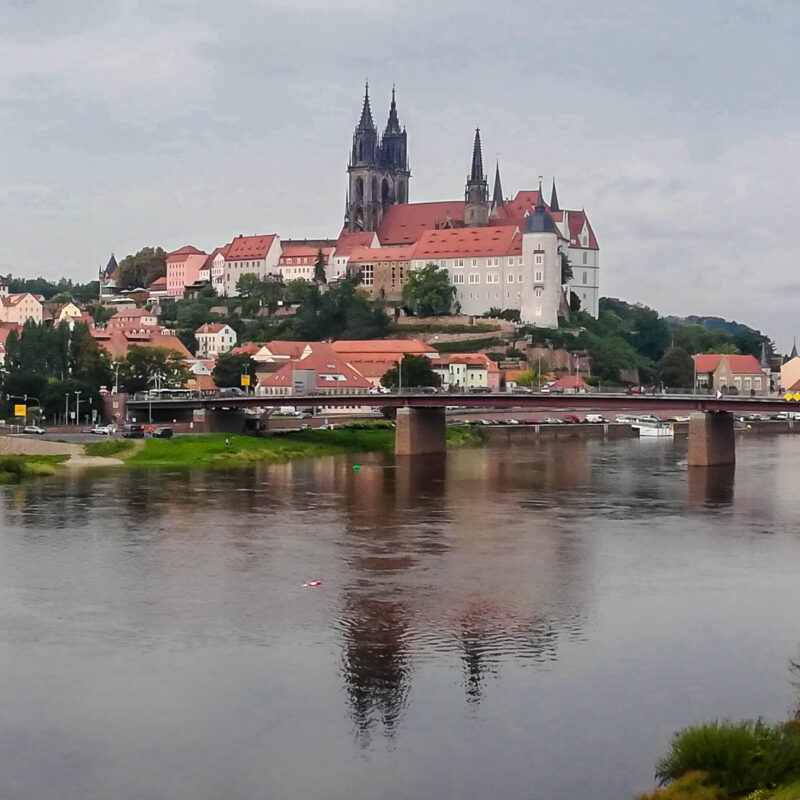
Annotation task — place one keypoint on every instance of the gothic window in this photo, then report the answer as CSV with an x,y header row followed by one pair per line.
x,y
585,257
401,193
359,188
385,191
360,151
374,189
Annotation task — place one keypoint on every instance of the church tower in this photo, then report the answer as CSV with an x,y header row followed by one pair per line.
x,y
378,171
476,194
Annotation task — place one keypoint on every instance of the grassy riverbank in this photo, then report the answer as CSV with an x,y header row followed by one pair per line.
x,y
14,469
212,450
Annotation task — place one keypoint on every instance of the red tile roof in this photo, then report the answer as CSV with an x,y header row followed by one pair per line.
x,y
405,223
354,349
576,220
249,247
347,241
246,348
286,348
304,251
465,242
326,362
744,365
571,382
159,283
14,299
117,342
209,262
132,313
211,327
188,250
478,360
706,362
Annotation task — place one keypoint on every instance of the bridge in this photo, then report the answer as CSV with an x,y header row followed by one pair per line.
x,y
421,419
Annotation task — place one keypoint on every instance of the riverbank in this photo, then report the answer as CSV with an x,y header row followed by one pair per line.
x,y
221,450
16,468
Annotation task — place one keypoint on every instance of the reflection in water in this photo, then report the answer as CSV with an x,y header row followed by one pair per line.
x,y
488,615
711,486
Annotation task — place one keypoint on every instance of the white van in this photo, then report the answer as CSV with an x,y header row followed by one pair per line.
x,y
595,418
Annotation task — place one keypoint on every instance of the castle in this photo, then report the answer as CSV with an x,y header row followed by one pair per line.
x,y
479,240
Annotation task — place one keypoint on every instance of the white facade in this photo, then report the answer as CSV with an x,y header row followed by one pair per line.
x,y
263,267
213,340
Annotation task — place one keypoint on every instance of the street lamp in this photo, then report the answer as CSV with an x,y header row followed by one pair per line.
x,y
77,407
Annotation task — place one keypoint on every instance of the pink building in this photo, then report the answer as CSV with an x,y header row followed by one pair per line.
x,y
183,269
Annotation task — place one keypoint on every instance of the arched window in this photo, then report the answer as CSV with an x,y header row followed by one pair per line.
x,y
401,193
385,191
359,187
374,189
360,149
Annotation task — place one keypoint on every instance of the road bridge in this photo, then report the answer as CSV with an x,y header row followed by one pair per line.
x,y
421,418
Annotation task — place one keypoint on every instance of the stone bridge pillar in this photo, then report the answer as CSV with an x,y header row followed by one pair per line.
x,y
420,431
711,441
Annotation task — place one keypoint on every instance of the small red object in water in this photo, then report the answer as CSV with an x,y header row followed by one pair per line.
x,y
313,583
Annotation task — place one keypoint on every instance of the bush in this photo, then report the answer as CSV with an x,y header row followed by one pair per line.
x,y
108,448
692,786
738,756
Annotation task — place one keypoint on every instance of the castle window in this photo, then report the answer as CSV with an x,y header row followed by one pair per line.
x,y
585,275
459,278
519,261
458,262
585,257
474,262
510,278
519,278
510,262
474,277
492,278
538,292
538,259
538,276
367,275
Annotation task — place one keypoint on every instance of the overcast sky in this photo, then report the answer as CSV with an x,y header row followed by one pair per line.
x,y
172,122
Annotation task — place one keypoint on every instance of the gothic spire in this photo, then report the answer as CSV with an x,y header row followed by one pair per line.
x,y
554,197
393,125
540,201
366,123
497,197
476,174
794,349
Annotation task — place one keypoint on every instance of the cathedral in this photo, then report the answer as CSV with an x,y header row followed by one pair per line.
x,y
378,169
499,252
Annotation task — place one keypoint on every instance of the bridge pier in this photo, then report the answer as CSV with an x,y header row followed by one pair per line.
x,y
420,431
711,440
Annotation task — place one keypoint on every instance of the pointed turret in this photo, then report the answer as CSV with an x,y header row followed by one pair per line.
x,y
477,159
554,197
793,354
476,195
497,197
393,124
540,221
366,123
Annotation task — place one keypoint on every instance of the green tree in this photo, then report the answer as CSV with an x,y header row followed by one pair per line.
x,y
574,302
428,292
144,367
566,269
675,368
88,362
267,292
319,269
530,377
141,269
229,369
56,394
416,371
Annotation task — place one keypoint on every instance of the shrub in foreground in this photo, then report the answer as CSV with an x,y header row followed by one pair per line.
x,y
740,757
692,786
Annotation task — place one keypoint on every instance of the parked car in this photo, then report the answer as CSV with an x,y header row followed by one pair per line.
x,y
485,422
327,427
162,432
133,432
545,390
531,422
33,429
522,390
573,418
480,390
102,430
552,421
781,415
594,418
511,421
232,391
427,389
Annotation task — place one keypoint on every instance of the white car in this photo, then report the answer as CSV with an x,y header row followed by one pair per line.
x,y
33,429
103,430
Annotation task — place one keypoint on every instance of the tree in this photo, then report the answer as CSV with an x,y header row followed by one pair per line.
x,y
141,269
416,371
56,395
88,362
319,269
566,269
264,292
530,377
144,367
428,292
574,302
229,369
675,368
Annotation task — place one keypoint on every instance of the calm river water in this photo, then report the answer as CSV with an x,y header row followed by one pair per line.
x,y
523,622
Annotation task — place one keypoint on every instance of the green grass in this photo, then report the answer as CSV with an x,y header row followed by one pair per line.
x,y
14,468
108,448
212,450
739,757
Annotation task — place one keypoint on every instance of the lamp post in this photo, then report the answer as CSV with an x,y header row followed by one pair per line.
x,y
77,407
400,376
66,408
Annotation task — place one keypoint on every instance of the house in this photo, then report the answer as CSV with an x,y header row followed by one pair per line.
x,y
250,255
214,338
5,283
117,341
734,374
133,318
383,270
332,374
201,378
19,308
465,371
790,371
298,258
183,267
373,357
345,244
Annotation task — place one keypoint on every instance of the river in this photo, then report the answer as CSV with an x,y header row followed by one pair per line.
x,y
521,622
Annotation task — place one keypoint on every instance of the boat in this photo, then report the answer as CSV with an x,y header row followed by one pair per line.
x,y
649,429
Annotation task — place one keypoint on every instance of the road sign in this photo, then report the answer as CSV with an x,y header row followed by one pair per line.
x,y
717,394
788,396
20,410
245,380
797,395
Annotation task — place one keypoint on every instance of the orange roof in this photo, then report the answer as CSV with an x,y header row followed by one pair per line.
x,y
249,247
117,342
286,348
405,223
132,313
326,363
465,242
347,241
188,250
246,348
571,382
368,348
13,299
303,251
6,328
707,362
363,255
744,365
158,283
211,327
480,360
375,368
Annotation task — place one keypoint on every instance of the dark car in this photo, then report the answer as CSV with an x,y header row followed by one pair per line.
x,y
480,390
162,432
133,432
232,391
427,390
